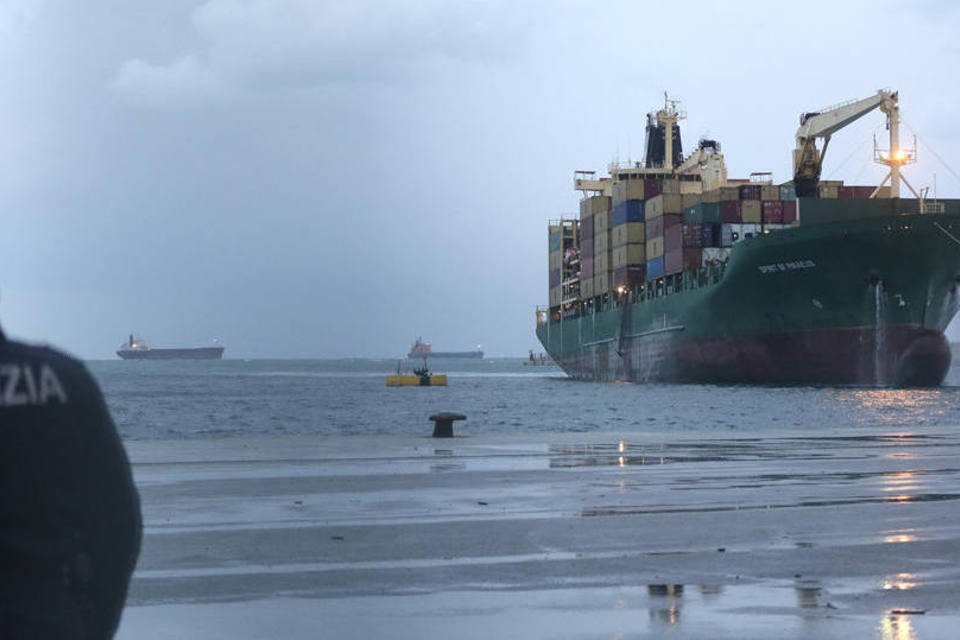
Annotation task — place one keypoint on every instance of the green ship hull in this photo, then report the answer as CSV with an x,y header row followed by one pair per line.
x,y
837,300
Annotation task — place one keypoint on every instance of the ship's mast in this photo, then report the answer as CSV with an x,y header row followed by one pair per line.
x,y
896,156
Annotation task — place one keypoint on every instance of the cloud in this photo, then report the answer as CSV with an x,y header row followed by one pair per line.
x,y
262,45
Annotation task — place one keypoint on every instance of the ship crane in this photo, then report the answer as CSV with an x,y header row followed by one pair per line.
x,y
808,160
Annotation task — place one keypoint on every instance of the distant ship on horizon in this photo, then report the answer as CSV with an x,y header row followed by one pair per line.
x,y
421,349
138,349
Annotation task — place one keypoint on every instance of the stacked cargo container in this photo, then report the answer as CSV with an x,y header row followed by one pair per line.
x,y
564,261
656,227
591,209
628,234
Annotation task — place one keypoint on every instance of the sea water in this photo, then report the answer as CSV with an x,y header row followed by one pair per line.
x,y
178,400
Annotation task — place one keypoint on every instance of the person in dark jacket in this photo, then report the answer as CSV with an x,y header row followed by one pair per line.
x,y
70,524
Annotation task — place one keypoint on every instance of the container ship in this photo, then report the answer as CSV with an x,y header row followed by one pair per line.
x,y
421,349
675,273
138,349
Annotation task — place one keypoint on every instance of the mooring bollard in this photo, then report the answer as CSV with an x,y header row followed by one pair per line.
x,y
443,423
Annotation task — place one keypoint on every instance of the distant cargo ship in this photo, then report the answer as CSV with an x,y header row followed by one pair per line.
x,y
421,349
138,349
675,273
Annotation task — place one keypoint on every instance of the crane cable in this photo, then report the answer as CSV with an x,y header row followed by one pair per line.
x,y
931,150
856,151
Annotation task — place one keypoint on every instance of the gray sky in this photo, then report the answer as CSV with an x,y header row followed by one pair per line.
x,y
323,179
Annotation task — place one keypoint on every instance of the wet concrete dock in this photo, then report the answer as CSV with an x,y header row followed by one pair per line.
x,y
838,535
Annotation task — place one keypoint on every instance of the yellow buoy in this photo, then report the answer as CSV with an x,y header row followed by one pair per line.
x,y
413,380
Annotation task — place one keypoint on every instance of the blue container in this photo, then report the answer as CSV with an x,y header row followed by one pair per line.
x,y
556,241
627,211
655,268
788,192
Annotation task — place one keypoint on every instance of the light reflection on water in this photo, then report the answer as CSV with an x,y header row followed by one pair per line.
x,y
897,627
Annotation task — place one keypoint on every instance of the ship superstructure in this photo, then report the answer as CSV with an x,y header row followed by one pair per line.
x,y
674,271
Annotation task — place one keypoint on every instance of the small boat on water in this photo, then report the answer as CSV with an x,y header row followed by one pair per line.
x,y
138,349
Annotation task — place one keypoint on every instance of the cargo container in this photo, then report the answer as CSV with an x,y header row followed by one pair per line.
x,y
710,196
769,192
627,211
586,286
726,235
555,236
601,243
729,194
664,203
789,211
788,192
673,261
601,263
672,220
554,278
652,187
601,283
556,259
740,232
692,258
628,233
827,191
654,227
750,211
556,296
715,256
655,268
601,222
629,255
629,276
673,238
586,228
701,213
586,250
593,205
690,199
730,212
692,235
749,192
624,190
654,248
586,269
772,211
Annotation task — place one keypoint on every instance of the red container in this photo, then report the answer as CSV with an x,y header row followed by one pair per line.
x,y
847,193
654,227
652,187
626,276
692,235
749,192
790,212
692,259
730,213
863,192
673,262
772,211
673,239
672,220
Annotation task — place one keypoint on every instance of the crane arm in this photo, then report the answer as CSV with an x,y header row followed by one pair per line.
x,y
807,159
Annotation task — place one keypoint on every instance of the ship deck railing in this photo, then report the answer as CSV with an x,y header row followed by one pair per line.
x,y
571,309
